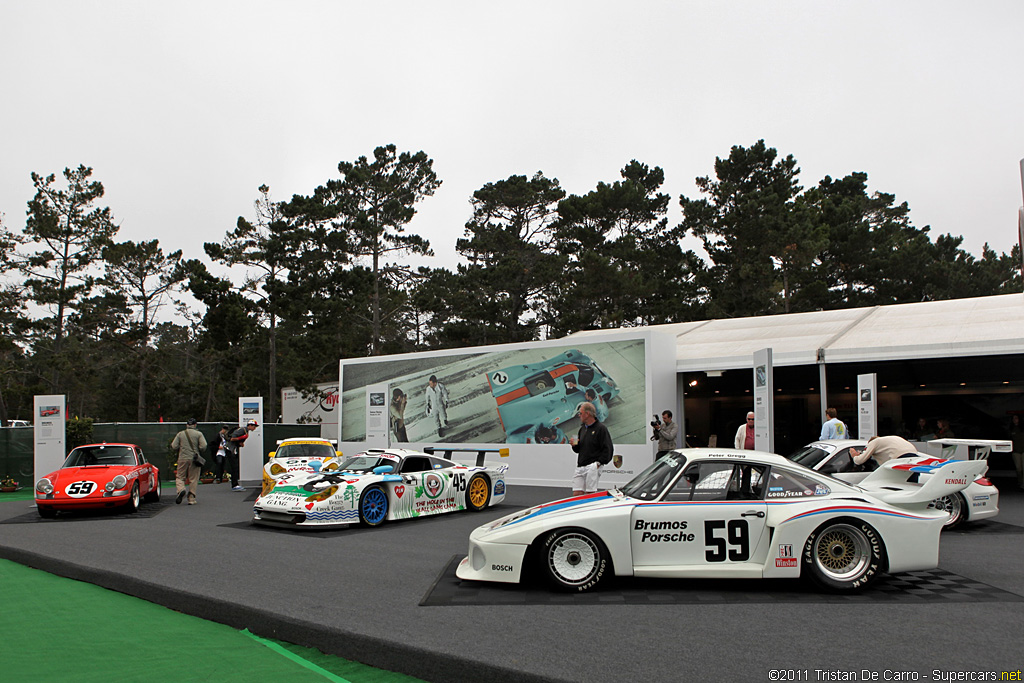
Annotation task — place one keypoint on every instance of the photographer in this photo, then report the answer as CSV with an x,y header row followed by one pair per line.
x,y
665,433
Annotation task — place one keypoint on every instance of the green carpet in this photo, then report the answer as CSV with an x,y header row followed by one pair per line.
x,y
60,629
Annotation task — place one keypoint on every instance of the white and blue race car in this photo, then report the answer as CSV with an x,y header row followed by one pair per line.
x,y
380,485
976,501
722,513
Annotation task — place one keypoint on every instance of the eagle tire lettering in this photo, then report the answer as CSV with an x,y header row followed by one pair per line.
x,y
842,536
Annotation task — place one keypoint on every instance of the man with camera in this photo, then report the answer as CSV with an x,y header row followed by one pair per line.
x,y
665,433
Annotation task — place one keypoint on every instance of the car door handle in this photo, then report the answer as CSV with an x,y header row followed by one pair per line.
x,y
752,513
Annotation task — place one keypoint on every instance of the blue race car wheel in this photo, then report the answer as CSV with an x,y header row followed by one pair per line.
x,y
373,506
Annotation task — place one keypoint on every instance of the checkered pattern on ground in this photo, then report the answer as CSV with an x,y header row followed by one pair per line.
x,y
931,586
986,526
145,511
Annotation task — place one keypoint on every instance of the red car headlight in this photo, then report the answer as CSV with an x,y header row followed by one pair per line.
x,y
118,482
44,486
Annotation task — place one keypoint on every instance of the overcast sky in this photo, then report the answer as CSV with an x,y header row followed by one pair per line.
x,y
184,109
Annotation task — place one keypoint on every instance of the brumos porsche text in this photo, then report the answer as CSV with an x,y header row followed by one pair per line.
x,y
647,528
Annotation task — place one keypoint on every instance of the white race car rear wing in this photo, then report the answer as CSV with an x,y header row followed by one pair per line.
x,y
921,479
970,449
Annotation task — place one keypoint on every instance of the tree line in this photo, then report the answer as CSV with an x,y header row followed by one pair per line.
x,y
324,276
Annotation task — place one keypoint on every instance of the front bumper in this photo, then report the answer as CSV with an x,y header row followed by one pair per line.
x,y
108,499
501,562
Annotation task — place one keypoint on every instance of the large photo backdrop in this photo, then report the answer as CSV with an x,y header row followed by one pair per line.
x,y
525,396
503,396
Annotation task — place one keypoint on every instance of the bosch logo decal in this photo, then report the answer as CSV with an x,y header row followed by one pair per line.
x,y
501,567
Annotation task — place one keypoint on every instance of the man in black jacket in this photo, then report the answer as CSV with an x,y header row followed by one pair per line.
x,y
594,447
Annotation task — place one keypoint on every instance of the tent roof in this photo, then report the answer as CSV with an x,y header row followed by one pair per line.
x,y
931,329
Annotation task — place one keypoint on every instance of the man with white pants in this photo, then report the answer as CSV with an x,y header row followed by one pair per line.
x,y
437,404
594,447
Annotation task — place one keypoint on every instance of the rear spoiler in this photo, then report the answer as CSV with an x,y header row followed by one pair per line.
x,y
895,481
971,449
480,452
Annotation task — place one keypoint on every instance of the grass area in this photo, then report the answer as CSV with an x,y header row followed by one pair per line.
x,y
61,629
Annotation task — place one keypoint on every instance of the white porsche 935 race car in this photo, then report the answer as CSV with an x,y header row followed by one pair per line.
x,y
297,456
720,513
978,500
381,485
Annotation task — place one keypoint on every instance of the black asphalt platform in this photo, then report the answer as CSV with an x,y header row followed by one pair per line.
x,y
378,596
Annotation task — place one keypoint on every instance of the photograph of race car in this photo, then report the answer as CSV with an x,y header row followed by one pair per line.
x,y
300,454
549,392
381,485
103,475
723,513
978,500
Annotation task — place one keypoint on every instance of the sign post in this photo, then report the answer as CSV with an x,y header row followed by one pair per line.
x,y
764,401
50,448
251,454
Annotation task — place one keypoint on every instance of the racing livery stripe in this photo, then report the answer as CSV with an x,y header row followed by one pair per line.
x,y
512,395
520,392
562,370
872,511
564,505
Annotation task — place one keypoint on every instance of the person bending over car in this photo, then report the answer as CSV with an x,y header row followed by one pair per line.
x,y
884,448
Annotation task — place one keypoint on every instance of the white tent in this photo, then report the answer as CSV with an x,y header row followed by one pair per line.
x,y
981,326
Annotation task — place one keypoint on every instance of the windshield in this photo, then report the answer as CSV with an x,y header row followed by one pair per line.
x,y
808,456
649,484
305,450
86,456
366,463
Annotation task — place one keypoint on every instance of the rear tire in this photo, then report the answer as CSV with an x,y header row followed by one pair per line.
x,y
478,493
574,560
844,555
153,495
955,505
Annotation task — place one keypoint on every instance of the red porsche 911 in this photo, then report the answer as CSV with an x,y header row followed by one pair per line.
x,y
102,475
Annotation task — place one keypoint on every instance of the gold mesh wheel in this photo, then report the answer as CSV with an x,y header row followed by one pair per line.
x,y
478,493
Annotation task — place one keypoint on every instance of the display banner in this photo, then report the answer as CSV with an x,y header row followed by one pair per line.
x,y
321,406
867,406
526,396
49,424
250,456
377,415
764,401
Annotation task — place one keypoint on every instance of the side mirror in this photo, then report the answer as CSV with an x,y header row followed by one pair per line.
x,y
272,454
383,469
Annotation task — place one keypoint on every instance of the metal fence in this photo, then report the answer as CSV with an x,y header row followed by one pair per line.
x,y
17,443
